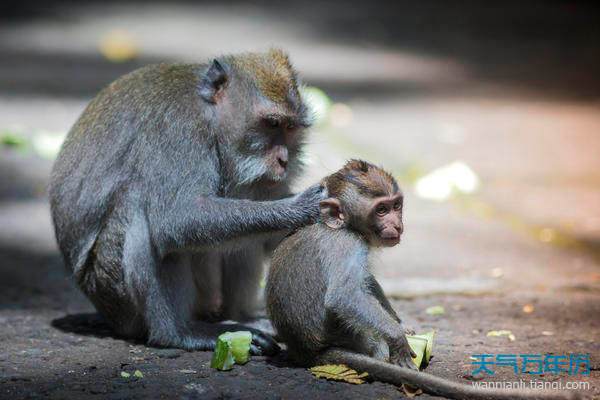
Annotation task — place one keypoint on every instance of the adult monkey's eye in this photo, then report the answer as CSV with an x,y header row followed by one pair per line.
x,y
272,122
397,205
381,209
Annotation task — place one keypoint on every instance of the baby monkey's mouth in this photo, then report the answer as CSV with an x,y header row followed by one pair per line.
x,y
389,239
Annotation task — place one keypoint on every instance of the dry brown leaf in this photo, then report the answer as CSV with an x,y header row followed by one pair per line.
x,y
411,391
338,372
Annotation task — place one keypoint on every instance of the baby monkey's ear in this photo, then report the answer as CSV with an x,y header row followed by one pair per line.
x,y
331,213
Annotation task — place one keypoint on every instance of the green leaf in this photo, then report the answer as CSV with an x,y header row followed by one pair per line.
x,y
10,139
503,332
435,310
338,372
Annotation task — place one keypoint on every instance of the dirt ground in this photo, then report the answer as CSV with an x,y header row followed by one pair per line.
x,y
416,87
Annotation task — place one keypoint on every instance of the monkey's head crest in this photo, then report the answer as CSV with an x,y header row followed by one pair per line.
x,y
272,73
269,74
367,178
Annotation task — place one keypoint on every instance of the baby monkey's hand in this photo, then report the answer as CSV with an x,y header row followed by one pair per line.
x,y
401,354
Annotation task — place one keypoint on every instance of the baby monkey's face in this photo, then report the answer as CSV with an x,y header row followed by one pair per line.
x,y
366,199
385,220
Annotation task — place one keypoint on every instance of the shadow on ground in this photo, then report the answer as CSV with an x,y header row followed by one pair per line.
x,y
85,324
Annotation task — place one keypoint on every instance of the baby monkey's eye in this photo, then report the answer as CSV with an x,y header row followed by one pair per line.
x,y
397,205
381,209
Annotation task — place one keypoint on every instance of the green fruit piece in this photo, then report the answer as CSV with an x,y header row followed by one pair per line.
x,y
232,348
419,346
222,358
429,337
239,343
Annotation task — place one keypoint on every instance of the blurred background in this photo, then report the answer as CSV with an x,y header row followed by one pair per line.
x,y
488,114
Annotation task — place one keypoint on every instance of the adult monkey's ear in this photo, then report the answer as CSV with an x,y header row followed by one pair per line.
x,y
331,213
213,82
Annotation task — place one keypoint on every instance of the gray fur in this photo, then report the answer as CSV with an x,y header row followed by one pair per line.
x,y
321,294
159,206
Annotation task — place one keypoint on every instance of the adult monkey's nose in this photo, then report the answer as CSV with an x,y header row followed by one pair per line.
x,y
282,156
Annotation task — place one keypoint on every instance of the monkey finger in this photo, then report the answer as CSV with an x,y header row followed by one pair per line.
x,y
406,347
255,350
406,362
263,345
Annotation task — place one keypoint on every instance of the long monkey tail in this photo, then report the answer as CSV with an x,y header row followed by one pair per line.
x,y
390,373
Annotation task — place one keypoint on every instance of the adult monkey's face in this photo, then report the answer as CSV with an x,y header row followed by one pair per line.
x,y
259,114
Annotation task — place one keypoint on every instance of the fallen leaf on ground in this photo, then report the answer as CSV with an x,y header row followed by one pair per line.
x,y
497,273
138,374
338,372
528,308
125,374
188,371
502,332
411,391
435,310
444,182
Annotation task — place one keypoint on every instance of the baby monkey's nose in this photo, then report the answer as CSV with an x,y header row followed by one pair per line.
x,y
400,228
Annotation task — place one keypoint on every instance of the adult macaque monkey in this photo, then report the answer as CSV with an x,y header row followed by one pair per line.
x,y
167,188
328,307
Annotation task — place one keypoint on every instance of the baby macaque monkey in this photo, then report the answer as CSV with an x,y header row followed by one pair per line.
x,y
327,306
320,292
